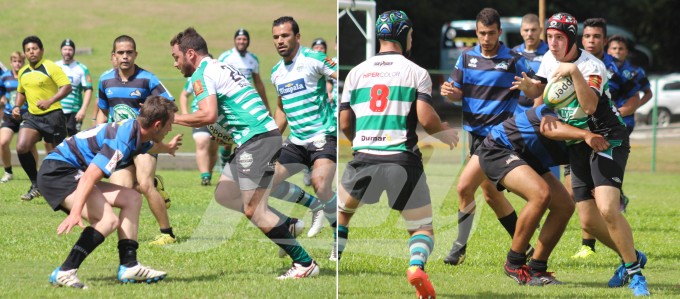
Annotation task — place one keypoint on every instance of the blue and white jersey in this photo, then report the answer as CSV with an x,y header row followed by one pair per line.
x,y
106,145
123,99
633,80
534,59
486,82
522,134
8,88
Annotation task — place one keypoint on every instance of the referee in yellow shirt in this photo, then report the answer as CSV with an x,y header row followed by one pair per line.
x,y
43,84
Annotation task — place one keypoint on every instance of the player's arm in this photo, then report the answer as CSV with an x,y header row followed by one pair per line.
x,y
531,87
347,122
259,86
553,128
63,91
647,94
451,92
587,96
630,105
87,95
183,100
280,116
18,102
433,125
205,115
90,177
167,148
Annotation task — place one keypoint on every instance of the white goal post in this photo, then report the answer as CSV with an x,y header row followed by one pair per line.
x,y
346,8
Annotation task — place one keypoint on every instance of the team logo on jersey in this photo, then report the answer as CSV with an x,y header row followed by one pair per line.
x,y
595,81
473,62
117,156
136,93
291,87
319,143
383,63
245,159
329,61
511,159
502,66
123,112
198,87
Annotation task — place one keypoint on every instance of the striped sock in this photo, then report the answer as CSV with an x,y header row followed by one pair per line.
x,y
420,247
330,210
292,193
633,268
343,232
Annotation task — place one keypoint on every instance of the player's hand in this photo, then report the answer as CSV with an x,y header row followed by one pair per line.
x,y
71,221
564,70
522,83
448,135
44,104
446,89
596,141
80,115
174,144
16,113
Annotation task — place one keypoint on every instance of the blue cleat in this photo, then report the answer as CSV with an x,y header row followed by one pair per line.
x,y
621,277
639,286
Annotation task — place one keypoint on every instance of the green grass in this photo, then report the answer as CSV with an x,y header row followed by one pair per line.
x,y
152,23
377,251
219,254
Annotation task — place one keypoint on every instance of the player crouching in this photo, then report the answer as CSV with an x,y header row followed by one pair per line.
x,y
70,178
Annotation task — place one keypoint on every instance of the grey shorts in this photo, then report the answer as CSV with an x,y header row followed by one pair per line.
x,y
252,164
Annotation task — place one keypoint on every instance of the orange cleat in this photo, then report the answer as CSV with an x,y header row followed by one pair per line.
x,y
418,278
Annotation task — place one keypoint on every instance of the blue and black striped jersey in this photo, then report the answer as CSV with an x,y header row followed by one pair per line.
x,y
486,82
522,134
106,145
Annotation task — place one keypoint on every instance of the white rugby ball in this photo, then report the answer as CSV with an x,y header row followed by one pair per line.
x,y
559,93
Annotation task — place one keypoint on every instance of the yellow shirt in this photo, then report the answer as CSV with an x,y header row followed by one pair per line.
x,y
41,83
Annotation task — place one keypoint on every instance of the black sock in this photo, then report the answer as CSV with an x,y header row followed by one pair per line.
x,y
127,252
89,239
509,222
589,242
28,163
539,266
516,259
168,231
464,227
8,170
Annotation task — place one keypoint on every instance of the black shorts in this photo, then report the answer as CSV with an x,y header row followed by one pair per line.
x,y
51,126
253,163
497,161
297,157
406,186
10,122
200,131
475,142
72,126
590,170
56,181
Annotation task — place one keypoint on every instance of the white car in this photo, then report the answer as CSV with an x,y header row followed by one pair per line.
x,y
668,101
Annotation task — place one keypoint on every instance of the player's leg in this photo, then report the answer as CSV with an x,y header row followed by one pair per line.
x,y
560,209
27,138
293,159
145,166
468,182
203,155
6,134
525,182
354,190
587,248
323,174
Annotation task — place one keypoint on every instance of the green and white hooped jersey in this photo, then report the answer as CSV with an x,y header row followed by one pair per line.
x,y
80,79
247,64
382,92
301,84
596,75
241,113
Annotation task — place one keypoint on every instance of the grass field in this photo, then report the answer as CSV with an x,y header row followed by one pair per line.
x,y
377,252
152,23
219,253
